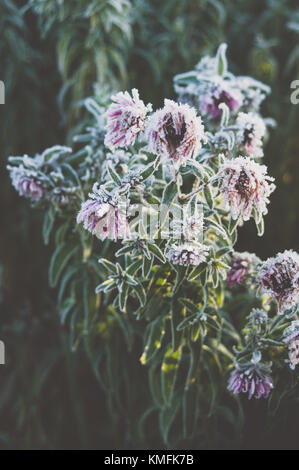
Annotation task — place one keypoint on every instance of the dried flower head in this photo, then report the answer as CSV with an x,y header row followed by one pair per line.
x,y
175,133
242,267
217,94
125,119
254,380
251,131
188,254
246,186
26,185
279,277
104,216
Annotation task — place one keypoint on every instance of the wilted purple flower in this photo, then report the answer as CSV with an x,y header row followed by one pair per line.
x,y
188,254
103,217
221,93
251,131
125,119
175,133
242,266
291,337
254,380
246,186
27,187
279,277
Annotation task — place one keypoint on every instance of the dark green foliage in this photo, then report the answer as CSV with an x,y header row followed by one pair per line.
x,y
51,54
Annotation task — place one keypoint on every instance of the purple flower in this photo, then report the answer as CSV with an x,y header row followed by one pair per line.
x,y
251,131
175,133
27,187
279,277
104,218
246,186
242,266
125,119
255,381
216,95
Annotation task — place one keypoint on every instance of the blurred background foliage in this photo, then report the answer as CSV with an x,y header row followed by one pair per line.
x,y
52,53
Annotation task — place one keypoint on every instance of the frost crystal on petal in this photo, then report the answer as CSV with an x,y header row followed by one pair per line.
x,y
125,119
104,216
188,254
175,133
246,186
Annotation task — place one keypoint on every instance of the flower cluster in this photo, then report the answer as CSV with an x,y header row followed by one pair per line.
x,y
208,87
42,178
246,187
254,379
279,277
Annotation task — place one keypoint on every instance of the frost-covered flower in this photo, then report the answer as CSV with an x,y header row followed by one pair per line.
x,y
125,119
220,93
254,380
242,266
291,337
250,133
258,316
188,254
26,186
279,277
104,216
246,186
175,133
190,228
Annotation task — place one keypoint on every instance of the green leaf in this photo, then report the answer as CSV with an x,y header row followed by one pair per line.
x,y
134,267
155,334
221,59
110,267
149,170
155,385
169,193
190,411
157,252
141,294
59,260
147,266
114,175
166,418
197,271
123,296
169,370
208,197
48,224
